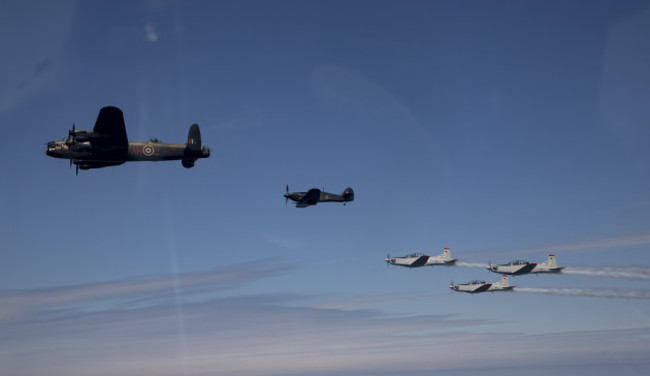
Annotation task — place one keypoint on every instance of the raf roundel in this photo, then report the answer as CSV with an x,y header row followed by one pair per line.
x,y
148,150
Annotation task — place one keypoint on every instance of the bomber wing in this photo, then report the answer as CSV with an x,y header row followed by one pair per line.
x,y
110,125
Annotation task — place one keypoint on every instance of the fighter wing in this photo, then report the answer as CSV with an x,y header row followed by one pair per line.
x,y
310,198
110,125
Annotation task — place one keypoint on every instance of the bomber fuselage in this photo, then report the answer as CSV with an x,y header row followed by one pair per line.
x,y
136,151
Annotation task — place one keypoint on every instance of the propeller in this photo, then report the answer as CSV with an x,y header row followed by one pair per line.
x,y
77,170
73,136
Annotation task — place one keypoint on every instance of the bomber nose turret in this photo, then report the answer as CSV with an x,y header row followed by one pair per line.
x,y
51,147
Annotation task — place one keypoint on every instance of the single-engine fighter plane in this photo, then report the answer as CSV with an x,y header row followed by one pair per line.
x,y
518,267
107,145
413,260
442,259
482,286
315,195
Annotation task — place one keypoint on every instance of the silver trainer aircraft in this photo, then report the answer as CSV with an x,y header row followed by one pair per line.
x,y
413,260
520,267
418,259
482,286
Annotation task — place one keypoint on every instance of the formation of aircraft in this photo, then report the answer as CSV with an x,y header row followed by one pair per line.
x,y
482,286
520,267
107,145
514,268
414,260
315,195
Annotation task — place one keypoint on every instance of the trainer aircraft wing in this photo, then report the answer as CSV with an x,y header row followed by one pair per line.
x,y
421,261
110,125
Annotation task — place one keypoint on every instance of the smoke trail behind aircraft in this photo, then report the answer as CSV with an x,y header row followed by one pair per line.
x,y
471,265
609,272
639,273
598,293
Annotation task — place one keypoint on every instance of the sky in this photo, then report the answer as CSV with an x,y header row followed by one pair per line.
x,y
503,130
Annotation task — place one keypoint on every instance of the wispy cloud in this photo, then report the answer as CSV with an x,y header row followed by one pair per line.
x,y
150,33
15,304
578,246
273,334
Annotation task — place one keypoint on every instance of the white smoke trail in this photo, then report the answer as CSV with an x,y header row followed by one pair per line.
x,y
609,272
599,293
641,273
471,265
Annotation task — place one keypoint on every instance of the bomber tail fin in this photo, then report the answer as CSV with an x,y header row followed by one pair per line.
x,y
193,148
194,139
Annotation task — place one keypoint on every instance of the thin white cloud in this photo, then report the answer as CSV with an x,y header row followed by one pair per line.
x,y
57,334
588,245
150,33
17,303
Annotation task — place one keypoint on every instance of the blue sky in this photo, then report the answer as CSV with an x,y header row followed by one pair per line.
x,y
502,130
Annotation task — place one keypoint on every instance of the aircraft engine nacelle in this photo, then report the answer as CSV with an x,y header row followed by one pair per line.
x,y
348,194
188,163
85,135
82,146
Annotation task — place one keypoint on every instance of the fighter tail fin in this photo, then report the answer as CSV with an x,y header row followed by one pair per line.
x,y
446,254
348,194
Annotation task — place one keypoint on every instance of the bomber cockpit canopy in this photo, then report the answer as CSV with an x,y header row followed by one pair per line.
x,y
153,139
